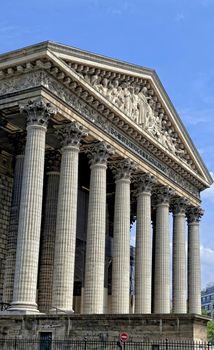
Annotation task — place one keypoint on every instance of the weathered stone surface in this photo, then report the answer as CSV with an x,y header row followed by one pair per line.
x,y
77,327
6,184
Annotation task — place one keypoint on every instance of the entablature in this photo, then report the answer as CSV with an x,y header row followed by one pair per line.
x,y
124,145
68,85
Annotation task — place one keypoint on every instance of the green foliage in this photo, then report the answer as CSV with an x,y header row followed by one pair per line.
x,y
204,312
210,331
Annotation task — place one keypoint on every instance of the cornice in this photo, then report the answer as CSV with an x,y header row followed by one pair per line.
x,y
63,73
41,79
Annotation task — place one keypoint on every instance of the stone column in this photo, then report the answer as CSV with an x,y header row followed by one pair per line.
x,y
194,268
143,255
162,253
153,227
121,238
63,277
93,301
179,288
18,141
48,232
27,253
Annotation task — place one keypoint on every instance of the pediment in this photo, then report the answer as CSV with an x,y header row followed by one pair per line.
x,y
132,95
141,100
137,101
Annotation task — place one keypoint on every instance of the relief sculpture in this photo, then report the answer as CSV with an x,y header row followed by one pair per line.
x,y
134,101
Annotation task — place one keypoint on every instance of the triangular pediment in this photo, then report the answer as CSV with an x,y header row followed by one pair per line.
x,y
138,94
134,94
137,101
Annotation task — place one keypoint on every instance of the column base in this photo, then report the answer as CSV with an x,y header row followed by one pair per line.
x,y
22,308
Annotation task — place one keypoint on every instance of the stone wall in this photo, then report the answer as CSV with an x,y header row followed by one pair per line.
x,y
98,327
6,184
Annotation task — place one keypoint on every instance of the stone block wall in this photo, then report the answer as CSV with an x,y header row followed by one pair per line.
x,y
6,185
96,327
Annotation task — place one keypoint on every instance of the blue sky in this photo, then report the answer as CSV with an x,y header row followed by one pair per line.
x,y
173,37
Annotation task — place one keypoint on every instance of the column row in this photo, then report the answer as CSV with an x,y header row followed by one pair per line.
x,y
183,299
58,247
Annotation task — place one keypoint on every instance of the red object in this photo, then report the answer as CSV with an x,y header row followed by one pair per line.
x,y
124,336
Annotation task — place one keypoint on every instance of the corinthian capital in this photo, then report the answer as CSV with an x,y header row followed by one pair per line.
x,y
179,206
145,182
164,195
98,153
123,169
194,214
38,112
71,134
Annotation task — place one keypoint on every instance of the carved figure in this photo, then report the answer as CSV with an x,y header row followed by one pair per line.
x,y
103,87
127,98
134,102
153,124
113,91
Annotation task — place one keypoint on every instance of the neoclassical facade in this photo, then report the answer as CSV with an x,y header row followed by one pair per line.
x,y
88,146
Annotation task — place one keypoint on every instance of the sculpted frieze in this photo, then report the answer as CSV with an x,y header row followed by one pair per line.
x,y
136,102
41,78
21,82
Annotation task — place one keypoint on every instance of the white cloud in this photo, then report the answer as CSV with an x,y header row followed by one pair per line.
x,y
207,256
206,2
179,17
8,31
133,234
195,117
207,264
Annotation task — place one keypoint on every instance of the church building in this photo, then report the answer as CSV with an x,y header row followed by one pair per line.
x,y
90,145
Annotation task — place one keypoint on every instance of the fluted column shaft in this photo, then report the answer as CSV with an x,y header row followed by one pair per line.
x,y
96,229
162,256
13,231
143,253
121,248
121,240
45,282
194,268
179,287
25,283
153,256
63,276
